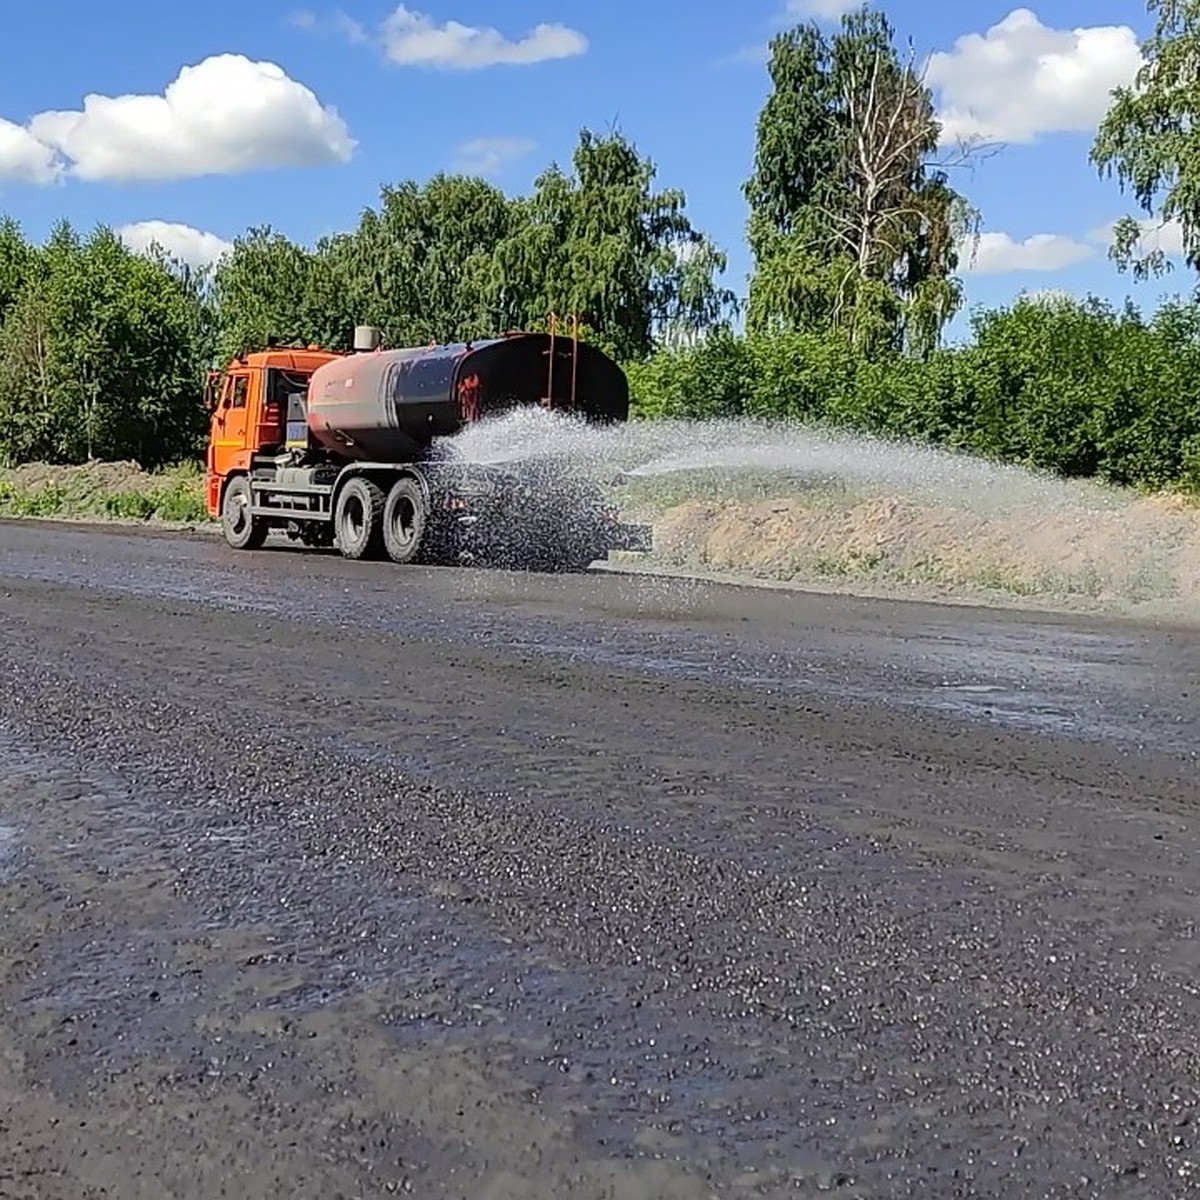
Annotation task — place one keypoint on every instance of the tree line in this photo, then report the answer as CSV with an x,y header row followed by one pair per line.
x,y
103,351
856,235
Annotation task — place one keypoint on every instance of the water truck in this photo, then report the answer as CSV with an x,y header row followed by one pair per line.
x,y
355,449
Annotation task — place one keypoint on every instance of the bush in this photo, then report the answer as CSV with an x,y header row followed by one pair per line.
x,y
177,502
180,502
712,379
1076,388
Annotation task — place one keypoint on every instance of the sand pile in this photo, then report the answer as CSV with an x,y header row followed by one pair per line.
x,y
1144,552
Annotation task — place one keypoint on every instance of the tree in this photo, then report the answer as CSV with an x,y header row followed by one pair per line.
x,y
16,261
852,224
261,289
143,359
1147,140
423,267
455,258
605,245
101,355
30,381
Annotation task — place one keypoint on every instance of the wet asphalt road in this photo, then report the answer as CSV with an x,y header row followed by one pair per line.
x,y
329,879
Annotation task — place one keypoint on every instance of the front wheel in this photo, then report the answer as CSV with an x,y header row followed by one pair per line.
x,y
242,530
405,517
358,519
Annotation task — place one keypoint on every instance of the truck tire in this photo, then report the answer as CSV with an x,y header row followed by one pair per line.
x,y
405,516
358,519
242,530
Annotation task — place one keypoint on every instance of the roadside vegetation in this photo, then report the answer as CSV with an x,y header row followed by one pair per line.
x,y
858,235
113,491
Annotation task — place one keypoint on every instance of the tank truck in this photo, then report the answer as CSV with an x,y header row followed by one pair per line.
x,y
354,450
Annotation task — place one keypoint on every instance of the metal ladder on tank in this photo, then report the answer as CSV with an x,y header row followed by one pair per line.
x,y
548,399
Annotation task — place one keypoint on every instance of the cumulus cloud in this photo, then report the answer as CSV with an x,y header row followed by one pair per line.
x,y
192,246
223,115
23,159
1022,79
487,155
1166,236
1001,254
340,23
789,13
412,39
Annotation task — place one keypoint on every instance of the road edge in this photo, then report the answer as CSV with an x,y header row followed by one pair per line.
x,y
1161,614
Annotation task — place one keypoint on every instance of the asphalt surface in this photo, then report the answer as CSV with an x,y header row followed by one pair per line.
x,y
325,879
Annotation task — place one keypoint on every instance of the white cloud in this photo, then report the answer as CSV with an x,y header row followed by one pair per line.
x,y
193,246
23,158
826,10
1022,79
487,155
684,251
412,39
1166,236
788,14
1000,254
340,23
226,114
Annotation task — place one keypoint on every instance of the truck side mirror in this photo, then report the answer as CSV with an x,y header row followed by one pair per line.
x,y
210,390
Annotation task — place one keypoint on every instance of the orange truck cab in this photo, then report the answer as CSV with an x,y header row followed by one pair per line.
x,y
248,402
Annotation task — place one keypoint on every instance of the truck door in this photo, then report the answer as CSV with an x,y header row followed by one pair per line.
x,y
230,424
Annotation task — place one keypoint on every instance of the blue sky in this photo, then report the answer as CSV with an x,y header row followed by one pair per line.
x,y
372,92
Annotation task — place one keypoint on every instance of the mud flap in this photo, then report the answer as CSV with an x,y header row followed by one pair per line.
x,y
633,538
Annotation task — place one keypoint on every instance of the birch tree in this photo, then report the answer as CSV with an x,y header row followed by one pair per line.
x,y
853,221
1148,142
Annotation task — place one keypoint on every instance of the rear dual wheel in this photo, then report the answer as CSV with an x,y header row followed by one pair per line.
x,y
405,516
370,524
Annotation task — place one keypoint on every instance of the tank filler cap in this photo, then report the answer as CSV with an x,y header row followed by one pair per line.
x,y
367,338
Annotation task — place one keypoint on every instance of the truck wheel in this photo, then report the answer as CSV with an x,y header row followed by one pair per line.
x,y
358,519
404,519
242,530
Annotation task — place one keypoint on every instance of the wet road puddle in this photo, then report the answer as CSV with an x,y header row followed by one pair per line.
x,y
580,1041
991,702
1019,709
1005,703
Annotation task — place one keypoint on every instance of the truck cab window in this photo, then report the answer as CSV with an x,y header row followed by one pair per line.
x,y
241,384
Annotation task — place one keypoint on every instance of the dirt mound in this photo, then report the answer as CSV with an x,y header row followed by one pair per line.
x,y
118,491
95,476
1147,551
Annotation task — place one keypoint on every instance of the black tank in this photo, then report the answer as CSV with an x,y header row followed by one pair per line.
x,y
390,405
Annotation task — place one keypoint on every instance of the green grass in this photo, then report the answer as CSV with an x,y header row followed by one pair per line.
x,y
178,502
114,492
